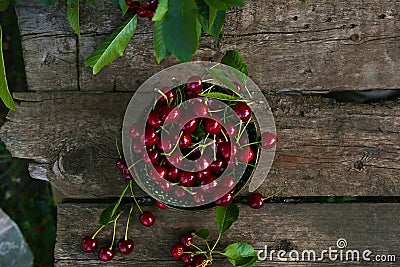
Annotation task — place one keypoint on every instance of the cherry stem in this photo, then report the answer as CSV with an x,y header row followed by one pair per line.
x,y
226,138
174,148
127,223
164,95
196,247
134,164
215,244
249,144
242,132
98,231
117,146
277,192
134,198
115,227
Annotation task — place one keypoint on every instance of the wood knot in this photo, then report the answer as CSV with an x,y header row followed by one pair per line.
x,y
76,161
285,245
355,37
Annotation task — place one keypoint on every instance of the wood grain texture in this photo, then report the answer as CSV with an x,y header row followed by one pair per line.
x,y
319,47
325,148
279,226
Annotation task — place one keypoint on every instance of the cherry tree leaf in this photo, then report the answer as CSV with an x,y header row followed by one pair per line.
x,y
113,47
160,50
73,15
226,216
161,10
4,92
181,29
240,254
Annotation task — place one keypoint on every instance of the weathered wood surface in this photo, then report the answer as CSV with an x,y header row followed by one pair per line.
x,y
325,148
322,46
279,226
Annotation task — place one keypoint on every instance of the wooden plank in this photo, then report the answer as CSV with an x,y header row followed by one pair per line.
x,y
49,46
279,226
325,148
322,46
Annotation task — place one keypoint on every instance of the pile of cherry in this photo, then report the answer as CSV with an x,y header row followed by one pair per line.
x,y
166,172
203,118
142,9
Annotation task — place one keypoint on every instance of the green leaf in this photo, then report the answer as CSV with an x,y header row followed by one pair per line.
x,y
222,96
211,17
48,3
124,7
199,133
160,50
161,10
233,59
181,29
4,92
4,5
73,15
108,214
222,77
202,233
304,1
113,47
219,21
203,15
226,216
224,4
240,254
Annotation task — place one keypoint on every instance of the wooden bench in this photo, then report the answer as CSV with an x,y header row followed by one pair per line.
x,y
67,123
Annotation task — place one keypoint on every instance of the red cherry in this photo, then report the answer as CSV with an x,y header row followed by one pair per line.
x,y
190,126
245,155
151,138
141,12
194,84
226,150
225,200
243,111
230,130
203,174
168,93
186,240
125,246
228,182
202,163
89,244
216,165
165,145
212,126
147,218
160,205
152,156
138,146
192,94
127,175
256,201
185,140
150,14
200,109
187,257
121,164
209,184
172,172
268,140
199,261
187,178
134,131
173,114
177,251
106,254
153,119
158,172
